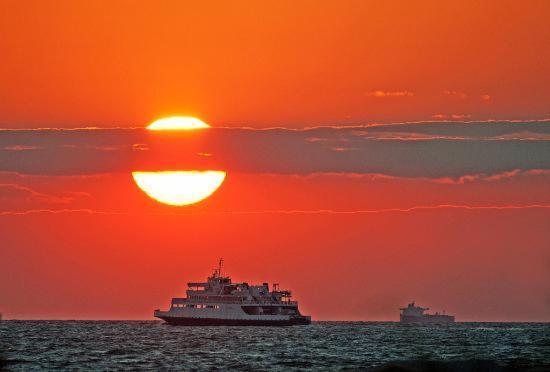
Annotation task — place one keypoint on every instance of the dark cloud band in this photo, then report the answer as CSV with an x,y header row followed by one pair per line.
x,y
430,149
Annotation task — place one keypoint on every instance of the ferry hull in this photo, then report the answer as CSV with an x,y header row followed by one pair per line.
x,y
181,321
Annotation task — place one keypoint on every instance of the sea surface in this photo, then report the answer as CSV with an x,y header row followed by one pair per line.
x,y
152,345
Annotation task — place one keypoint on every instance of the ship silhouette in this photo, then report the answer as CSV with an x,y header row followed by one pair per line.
x,y
413,314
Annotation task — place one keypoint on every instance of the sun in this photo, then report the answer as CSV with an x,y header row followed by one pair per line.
x,y
177,123
179,187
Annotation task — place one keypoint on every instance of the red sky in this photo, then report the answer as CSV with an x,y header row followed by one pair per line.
x,y
111,252
357,221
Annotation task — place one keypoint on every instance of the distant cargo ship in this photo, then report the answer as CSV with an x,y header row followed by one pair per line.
x,y
415,315
218,301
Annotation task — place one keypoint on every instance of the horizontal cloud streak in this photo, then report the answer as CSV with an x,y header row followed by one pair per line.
x,y
382,93
12,190
429,149
286,211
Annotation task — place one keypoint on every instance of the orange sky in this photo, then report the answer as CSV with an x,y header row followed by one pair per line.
x,y
88,247
357,221
289,63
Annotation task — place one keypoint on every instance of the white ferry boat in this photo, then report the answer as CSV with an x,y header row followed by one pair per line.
x,y
218,301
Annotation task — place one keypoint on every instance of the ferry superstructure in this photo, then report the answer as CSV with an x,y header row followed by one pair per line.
x,y
219,301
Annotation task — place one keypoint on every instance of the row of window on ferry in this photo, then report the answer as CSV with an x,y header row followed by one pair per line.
x,y
197,306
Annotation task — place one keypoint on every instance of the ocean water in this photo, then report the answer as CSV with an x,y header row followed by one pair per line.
x,y
152,345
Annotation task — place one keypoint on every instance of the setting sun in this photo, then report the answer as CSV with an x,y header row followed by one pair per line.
x,y
177,123
179,187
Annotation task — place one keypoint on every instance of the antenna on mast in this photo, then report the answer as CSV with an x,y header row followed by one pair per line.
x,y
220,263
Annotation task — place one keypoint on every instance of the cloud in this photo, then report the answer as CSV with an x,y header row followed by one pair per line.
x,y
140,147
410,136
436,149
20,148
456,94
60,211
462,95
524,136
451,116
492,177
399,93
404,136
16,191
289,211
